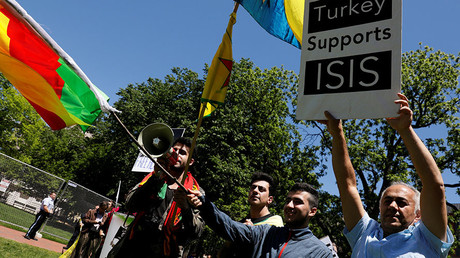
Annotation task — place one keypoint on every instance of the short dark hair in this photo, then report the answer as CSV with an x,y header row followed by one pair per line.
x,y
261,176
183,140
187,142
304,187
104,204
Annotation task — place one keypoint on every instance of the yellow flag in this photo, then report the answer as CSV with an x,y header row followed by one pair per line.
x,y
216,84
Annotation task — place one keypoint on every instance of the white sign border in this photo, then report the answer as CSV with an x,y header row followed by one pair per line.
x,y
354,104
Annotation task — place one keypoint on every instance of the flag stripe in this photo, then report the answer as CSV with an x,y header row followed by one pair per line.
x,y
32,51
85,104
34,88
219,73
281,18
60,95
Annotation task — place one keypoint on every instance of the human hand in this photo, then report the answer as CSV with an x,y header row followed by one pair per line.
x,y
404,120
193,197
334,126
180,198
248,222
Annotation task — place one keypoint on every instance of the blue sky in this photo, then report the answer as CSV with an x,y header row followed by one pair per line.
x,y
121,42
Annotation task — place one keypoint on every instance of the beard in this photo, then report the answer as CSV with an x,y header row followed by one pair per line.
x,y
297,223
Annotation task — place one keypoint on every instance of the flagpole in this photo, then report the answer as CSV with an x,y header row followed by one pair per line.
x,y
198,127
200,119
235,8
118,194
197,131
147,153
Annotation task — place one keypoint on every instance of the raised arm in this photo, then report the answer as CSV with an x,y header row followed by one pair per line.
x,y
432,198
352,206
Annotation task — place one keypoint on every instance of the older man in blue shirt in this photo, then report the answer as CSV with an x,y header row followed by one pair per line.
x,y
412,224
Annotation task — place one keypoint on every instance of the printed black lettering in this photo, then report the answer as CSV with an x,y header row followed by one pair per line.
x,y
360,38
333,42
345,40
368,34
311,41
377,33
324,44
387,33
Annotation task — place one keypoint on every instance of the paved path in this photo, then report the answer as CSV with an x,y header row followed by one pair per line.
x,y
18,236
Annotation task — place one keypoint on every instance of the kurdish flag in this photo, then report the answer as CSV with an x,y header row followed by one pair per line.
x,y
44,74
281,18
218,78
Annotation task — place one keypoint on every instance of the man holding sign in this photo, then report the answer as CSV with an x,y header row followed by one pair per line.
x,y
412,223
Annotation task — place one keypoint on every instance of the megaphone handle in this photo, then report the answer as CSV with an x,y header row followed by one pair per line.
x,y
148,154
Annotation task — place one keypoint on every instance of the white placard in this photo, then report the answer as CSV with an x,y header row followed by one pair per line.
x,y
143,164
351,59
117,221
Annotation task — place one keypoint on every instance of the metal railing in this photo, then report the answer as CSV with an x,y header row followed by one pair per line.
x,y
23,187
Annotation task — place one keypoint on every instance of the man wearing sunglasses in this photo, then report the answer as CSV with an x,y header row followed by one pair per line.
x,y
164,224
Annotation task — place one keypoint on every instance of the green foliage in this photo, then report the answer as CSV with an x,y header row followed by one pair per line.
x,y
20,125
454,224
254,131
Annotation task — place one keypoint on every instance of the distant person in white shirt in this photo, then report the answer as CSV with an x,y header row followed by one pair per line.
x,y
46,209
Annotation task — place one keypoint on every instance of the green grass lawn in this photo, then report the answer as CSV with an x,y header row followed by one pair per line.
x,y
25,219
16,216
10,248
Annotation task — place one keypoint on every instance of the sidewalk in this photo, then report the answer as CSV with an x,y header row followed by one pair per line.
x,y
18,236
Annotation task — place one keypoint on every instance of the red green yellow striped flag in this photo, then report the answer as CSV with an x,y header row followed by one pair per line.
x,y
44,74
218,78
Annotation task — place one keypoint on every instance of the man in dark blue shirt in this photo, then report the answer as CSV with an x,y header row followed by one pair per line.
x,y
293,240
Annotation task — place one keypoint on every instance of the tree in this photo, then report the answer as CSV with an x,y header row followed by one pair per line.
x,y
253,131
430,81
20,125
173,102
26,137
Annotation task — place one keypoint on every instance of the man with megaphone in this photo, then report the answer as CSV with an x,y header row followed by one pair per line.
x,y
164,224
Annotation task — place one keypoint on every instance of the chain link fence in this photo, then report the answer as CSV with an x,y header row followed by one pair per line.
x,y
23,187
